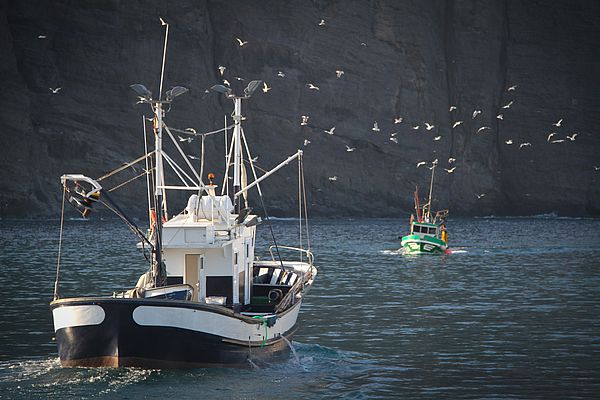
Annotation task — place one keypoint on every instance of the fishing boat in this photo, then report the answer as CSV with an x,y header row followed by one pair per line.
x,y
206,299
428,234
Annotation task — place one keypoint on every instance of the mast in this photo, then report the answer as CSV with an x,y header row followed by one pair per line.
x,y
433,165
237,157
158,196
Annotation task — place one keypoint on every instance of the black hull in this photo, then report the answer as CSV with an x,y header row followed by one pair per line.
x,y
118,341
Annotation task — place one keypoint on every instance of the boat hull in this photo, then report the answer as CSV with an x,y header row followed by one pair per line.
x,y
414,244
107,332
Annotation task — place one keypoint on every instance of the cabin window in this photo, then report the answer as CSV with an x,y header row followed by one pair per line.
x,y
416,229
432,231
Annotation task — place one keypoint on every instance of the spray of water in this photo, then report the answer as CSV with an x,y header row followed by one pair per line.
x,y
292,349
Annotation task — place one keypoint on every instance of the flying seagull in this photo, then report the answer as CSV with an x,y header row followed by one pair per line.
x,y
304,120
42,36
221,69
333,178
452,108
266,87
416,127
350,149
226,82
479,196
557,123
509,141
512,88
507,105
56,90
182,139
451,170
322,22
421,163
281,74
500,116
330,131
312,87
192,130
457,123
428,126
572,137
437,138
483,128
241,42
193,157
339,73
558,141
451,160
162,21
398,120
306,142
550,135
524,144
476,113
375,127
393,134
393,139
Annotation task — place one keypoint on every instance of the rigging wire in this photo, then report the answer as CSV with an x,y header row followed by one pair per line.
x,y
127,181
305,205
147,170
62,218
124,166
300,207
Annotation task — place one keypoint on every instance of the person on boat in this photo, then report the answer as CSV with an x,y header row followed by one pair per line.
x,y
444,235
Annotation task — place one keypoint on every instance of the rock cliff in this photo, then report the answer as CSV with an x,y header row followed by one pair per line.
x,y
400,59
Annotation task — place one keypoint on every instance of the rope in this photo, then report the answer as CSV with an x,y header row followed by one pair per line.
x,y
125,166
264,323
127,181
184,132
62,218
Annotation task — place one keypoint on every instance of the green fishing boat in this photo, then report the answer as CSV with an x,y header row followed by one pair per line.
x,y
428,234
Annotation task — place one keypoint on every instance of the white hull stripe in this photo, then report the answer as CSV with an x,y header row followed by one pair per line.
x,y
71,316
212,323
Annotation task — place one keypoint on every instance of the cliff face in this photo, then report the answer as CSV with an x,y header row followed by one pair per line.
x,y
400,59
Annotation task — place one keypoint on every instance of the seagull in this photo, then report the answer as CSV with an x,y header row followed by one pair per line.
x,y
312,87
339,73
507,105
451,160
429,126
162,21
457,123
193,157
226,82
237,78
330,131
509,141
349,149
480,195
596,168
322,22
255,159
266,87
241,42
42,36
437,138
557,123
281,74
572,137
550,135
483,128
451,170
363,44
524,144
421,163
221,69
332,178
191,130
55,91
416,127
512,88
182,139
395,140
500,116
306,142
476,113
304,120
398,120
452,108
558,141
375,127
393,134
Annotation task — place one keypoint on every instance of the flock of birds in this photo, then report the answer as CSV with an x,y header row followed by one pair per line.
x,y
553,137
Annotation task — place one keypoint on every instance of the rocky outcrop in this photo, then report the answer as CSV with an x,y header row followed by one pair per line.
x,y
400,59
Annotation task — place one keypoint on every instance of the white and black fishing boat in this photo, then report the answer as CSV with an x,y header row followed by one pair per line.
x,y
206,300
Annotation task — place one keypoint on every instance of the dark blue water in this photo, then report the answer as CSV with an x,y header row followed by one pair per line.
x,y
513,313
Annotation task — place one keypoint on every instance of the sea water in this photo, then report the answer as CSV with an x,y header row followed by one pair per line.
x,y
513,312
